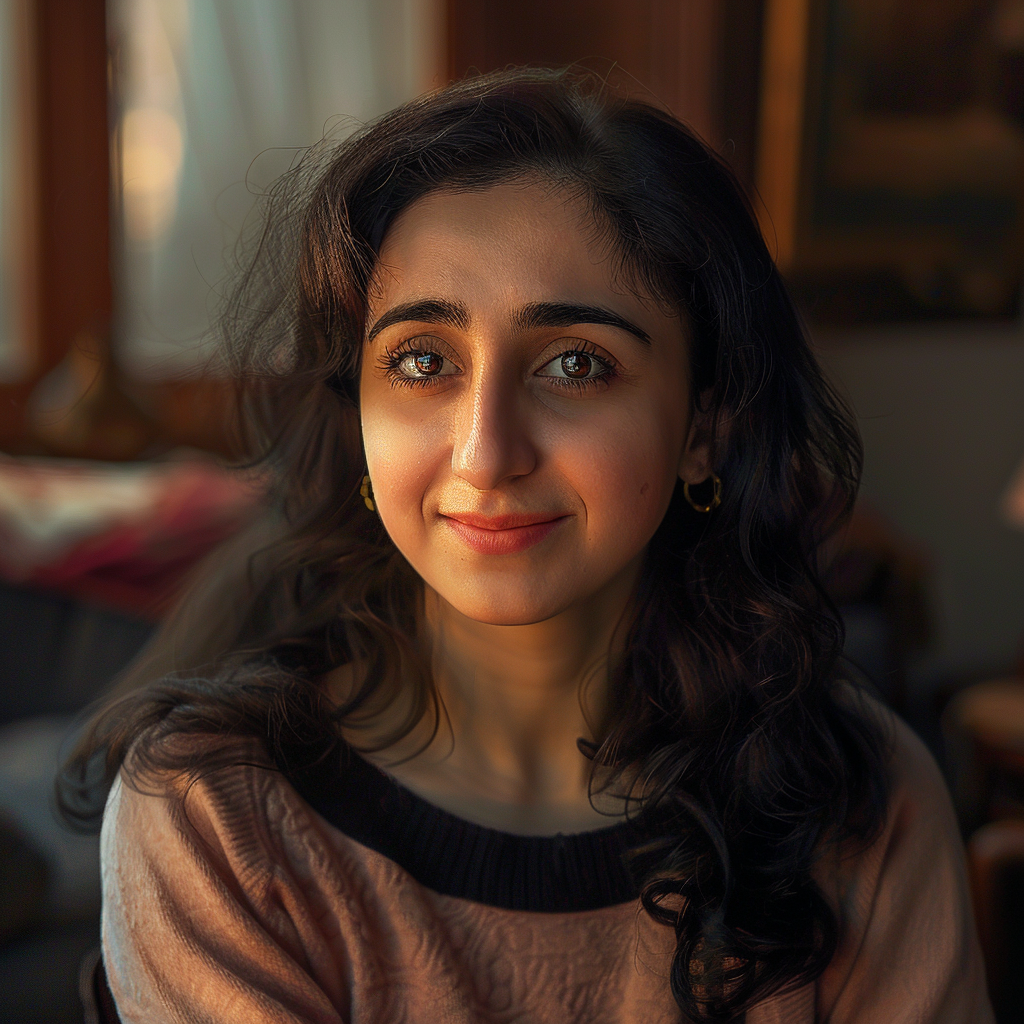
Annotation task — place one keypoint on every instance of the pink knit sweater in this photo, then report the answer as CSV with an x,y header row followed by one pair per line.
x,y
238,903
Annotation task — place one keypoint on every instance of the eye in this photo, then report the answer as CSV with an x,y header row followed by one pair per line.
x,y
577,366
414,365
422,364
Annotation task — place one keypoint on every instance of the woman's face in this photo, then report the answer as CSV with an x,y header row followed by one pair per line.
x,y
524,415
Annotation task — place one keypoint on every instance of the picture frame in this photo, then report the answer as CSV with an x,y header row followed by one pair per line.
x,y
890,157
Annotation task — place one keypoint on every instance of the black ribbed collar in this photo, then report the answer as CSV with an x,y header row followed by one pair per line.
x,y
582,871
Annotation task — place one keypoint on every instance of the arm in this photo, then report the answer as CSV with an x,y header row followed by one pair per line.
x,y
201,919
909,950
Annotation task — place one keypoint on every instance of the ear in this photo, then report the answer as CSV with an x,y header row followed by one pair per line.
x,y
696,461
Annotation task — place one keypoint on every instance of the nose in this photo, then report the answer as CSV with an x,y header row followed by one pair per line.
x,y
492,442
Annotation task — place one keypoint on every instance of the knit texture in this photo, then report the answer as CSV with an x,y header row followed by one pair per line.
x,y
242,901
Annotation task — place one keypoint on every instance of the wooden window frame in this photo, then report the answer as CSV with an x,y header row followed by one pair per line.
x,y
65,283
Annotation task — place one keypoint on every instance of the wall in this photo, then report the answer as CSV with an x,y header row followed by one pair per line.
x,y
941,410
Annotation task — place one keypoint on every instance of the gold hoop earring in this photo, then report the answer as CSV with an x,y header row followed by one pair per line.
x,y
367,493
716,498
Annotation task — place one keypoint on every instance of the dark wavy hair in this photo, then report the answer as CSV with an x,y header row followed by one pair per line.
x,y
732,710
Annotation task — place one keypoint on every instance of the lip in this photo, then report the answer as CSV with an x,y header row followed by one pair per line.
x,y
504,534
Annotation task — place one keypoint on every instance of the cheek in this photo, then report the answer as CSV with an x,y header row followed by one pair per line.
x,y
625,475
402,458
625,499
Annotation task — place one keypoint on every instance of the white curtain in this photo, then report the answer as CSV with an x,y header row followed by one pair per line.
x,y
215,99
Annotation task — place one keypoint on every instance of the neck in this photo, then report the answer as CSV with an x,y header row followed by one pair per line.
x,y
517,698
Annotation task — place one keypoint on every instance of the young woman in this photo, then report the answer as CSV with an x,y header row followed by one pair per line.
x,y
526,702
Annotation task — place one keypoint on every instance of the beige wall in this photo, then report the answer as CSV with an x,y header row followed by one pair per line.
x,y
941,410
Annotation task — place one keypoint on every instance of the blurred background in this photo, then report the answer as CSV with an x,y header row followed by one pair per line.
x,y
882,144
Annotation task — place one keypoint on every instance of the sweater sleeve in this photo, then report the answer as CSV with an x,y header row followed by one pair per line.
x,y
909,951
201,921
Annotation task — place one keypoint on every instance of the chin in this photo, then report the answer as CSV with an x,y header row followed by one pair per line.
x,y
504,609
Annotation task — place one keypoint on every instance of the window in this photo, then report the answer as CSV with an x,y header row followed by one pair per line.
x,y
214,100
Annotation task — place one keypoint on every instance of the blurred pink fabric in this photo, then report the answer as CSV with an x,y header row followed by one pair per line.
x,y
120,534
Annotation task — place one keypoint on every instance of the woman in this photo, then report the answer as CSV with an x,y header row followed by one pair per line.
x,y
530,708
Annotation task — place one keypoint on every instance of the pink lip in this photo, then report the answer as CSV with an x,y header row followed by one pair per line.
x,y
502,535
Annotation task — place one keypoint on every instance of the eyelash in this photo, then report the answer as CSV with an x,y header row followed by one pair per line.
x,y
392,359
603,379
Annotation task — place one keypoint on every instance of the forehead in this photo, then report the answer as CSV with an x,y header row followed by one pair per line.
x,y
516,242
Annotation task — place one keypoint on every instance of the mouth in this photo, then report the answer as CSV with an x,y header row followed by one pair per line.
x,y
502,535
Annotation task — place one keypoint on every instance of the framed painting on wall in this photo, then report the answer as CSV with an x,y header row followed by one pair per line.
x,y
891,156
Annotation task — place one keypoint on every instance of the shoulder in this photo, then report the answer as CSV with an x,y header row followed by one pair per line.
x,y
918,795
916,798
908,948
920,801
199,799
918,817
212,903
919,810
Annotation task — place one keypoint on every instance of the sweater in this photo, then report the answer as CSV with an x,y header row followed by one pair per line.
x,y
251,897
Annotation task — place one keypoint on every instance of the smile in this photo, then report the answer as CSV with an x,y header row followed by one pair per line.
x,y
501,535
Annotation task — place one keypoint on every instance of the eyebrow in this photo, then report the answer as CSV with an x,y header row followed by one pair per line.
x,y
428,311
536,314
567,314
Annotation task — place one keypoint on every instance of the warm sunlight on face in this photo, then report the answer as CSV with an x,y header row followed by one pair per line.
x,y
525,416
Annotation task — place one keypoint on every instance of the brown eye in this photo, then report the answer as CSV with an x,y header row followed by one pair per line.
x,y
578,368
418,367
576,364
428,363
